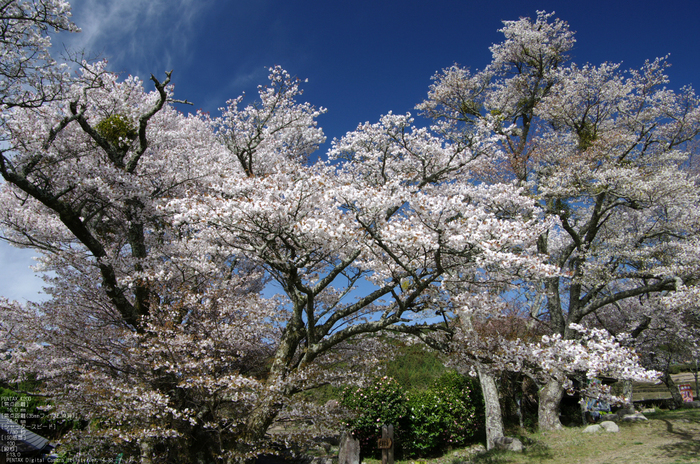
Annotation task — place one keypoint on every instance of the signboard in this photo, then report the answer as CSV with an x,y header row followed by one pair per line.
x,y
686,392
384,443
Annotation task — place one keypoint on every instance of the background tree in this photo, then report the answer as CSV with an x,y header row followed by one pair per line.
x,y
665,332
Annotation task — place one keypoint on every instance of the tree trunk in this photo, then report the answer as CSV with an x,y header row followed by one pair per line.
x,y
673,389
492,406
270,402
489,390
548,409
261,418
627,392
146,451
257,424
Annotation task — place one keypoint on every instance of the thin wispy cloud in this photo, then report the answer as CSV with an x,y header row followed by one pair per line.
x,y
195,38
143,36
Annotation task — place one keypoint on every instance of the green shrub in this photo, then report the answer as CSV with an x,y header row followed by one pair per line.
x,y
383,402
449,414
425,422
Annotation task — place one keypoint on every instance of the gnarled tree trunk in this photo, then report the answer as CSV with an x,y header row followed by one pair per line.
x,y
548,409
146,447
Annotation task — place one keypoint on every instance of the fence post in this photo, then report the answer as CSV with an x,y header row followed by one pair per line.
x,y
387,444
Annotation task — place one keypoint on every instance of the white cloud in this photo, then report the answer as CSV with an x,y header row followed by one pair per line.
x,y
143,35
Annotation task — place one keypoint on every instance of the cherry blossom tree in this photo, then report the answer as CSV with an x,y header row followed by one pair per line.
x,y
83,176
165,234
600,150
360,244
492,336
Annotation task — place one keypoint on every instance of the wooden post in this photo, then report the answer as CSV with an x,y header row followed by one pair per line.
x,y
387,444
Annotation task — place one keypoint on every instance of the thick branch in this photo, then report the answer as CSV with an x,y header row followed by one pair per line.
x,y
75,224
143,121
667,284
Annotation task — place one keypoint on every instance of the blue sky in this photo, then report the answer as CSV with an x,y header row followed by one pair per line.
x,y
362,58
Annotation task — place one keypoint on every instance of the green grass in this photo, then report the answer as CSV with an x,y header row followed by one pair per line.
x,y
415,367
668,437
